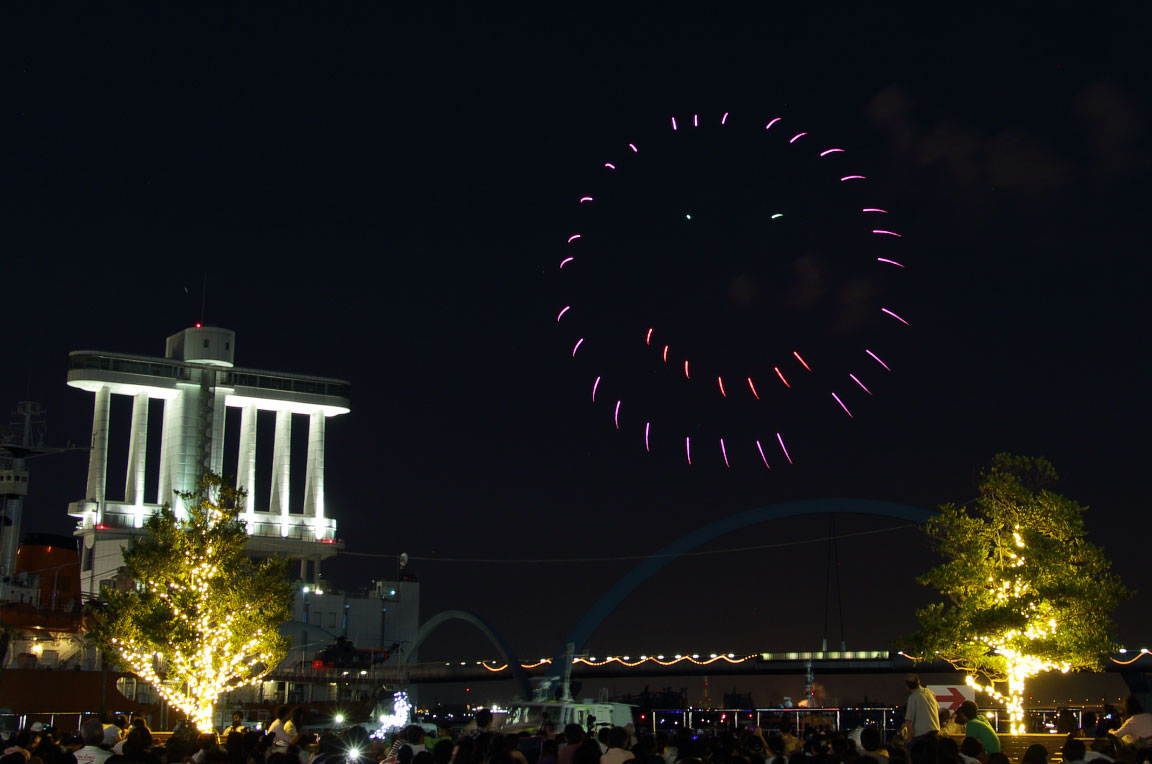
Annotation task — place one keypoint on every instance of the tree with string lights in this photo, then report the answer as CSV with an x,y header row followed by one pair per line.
x,y
1024,591
200,617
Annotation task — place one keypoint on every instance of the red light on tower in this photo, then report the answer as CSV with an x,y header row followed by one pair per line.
x,y
197,326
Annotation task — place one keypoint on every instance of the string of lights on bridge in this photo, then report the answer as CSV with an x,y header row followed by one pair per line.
x,y
627,662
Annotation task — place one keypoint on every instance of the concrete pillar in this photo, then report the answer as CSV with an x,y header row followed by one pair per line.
x,y
137,456
314,481
218,421
164,484
246,462
98,456
281,469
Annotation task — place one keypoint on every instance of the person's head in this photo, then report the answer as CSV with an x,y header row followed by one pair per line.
x,y
1132,706
283,712
573,734
911,682
92,731
208,742
1035,754
967,712
442,752
297,715
26,739
972,748
617,737
483,718
413,734
120,721
602,735
237,720
870,739
587,753
922,750
1088,720
945,716
138,740
405,755
550,747
1074,750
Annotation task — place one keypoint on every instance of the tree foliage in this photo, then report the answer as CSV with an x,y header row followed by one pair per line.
x,y
1024,591
201,617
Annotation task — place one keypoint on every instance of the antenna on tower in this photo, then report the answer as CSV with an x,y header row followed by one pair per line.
x,y
203,298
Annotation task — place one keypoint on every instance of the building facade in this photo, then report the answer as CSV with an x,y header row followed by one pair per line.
x,y
194,384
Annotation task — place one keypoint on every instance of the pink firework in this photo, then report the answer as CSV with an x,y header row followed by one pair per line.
x,y
686,375
865,389
724,118
720,382
801,360
773,121
762,456
595,385
874,209
890,262
783,448
876,358
754,393
565,310
633,147
573,237
585,199
846,411
566,260
781,375
797,137
895,316
610,166
826,152
616,416
648,339
646,447
724,451
688,448
887,233
674,123
579,342
852,177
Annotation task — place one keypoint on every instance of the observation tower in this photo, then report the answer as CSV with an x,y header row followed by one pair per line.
x,y
195,383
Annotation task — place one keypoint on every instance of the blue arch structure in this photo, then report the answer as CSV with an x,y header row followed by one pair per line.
x,y
506,654
613,597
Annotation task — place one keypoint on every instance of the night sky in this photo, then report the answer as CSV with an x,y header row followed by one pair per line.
x,y
382,194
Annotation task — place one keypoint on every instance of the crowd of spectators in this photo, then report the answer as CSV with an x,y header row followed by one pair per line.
x,y
963,738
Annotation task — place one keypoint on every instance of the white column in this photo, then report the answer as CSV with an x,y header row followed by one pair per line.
x,y
281,469
218,419
314,481
137,455
98,456
246,462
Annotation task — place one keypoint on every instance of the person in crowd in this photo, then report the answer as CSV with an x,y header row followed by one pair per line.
x,y
23,743
1137,726
1102,748
972,751
872,744
138,746
977,725
922,714
588,752
573,737
1087,724
92,733
279,726
442,751
549,752
602,739
1109,720
413,735
947,752
236,726
1035,754
483,723
922,748
949,724
465,752
1073,750
618,751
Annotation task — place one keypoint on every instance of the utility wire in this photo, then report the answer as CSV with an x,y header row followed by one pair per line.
x,y
633,557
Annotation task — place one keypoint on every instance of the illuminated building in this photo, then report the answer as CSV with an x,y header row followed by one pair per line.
x,y
194,384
